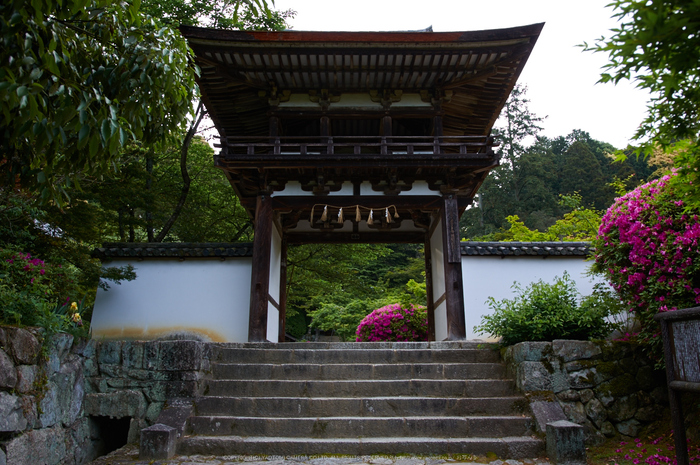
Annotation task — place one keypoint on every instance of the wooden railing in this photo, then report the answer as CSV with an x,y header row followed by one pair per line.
x,y
357,145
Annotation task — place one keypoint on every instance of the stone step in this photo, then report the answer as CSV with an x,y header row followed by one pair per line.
x,y
363,388
351,371
358,427
356,345
358,407
511,447
334,356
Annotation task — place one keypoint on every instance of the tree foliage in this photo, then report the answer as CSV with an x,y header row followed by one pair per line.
x,y
657,44
81,79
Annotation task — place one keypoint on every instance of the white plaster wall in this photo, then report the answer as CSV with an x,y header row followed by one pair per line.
x,y
206,299
273,315
489,276
438,274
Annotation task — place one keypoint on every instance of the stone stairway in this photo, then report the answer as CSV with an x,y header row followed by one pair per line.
x,y
359,399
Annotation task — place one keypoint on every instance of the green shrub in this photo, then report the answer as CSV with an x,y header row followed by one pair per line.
x,y
544,312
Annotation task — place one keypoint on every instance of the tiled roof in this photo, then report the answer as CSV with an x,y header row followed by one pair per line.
x,y
173,250
504,249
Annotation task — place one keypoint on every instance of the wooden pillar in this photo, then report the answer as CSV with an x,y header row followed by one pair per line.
x,y
427,252
283,290
454,292
275,133
260,276
437,132
325,133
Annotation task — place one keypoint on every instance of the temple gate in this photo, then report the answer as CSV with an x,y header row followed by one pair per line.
x,y
357,137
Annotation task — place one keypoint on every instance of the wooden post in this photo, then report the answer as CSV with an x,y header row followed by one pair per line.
x,y
454,292
427,252
437,133
260,275
325,133
386,134
283,289
275,134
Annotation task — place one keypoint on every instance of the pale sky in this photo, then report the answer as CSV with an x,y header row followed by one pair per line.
x,y
561,78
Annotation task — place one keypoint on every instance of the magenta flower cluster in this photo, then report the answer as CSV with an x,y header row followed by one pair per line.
x,y
29,265
659,451
648,247
394,323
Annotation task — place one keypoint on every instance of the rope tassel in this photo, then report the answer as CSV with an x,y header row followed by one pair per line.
x,y
341,218
370,220
324,216
358,216
388,216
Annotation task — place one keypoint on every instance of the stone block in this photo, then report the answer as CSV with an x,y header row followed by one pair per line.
x,y
528,351
23,345
546,412
596,412
132,354
31,412
575,350
533,376
60,345
608,429
11,414
176,413
575,411
109,353
586,395
649,413
645,377
39,446
158,442
3,458
582,379
565,443
160,391
50,406
180,355
629,427
117,404
569,395
8,373
86,348
27,378
623,408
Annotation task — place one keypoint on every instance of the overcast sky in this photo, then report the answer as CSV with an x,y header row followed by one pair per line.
x,y
561,78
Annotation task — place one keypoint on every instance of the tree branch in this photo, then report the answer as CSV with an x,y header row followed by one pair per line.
x,y
198,115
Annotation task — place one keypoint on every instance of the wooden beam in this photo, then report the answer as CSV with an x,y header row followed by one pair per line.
x,y
370,201
454,294
388,237
260,275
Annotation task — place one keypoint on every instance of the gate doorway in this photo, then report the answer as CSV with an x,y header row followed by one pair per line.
x,y
331,287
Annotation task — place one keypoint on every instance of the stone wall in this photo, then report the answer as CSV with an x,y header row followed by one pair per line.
x,y
609,388
54,395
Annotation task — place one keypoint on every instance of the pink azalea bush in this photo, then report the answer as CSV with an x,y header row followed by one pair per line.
x,y
648,247
35,292
394,323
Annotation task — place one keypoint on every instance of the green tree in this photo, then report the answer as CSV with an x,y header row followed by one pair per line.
x,y
657,45
81,79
